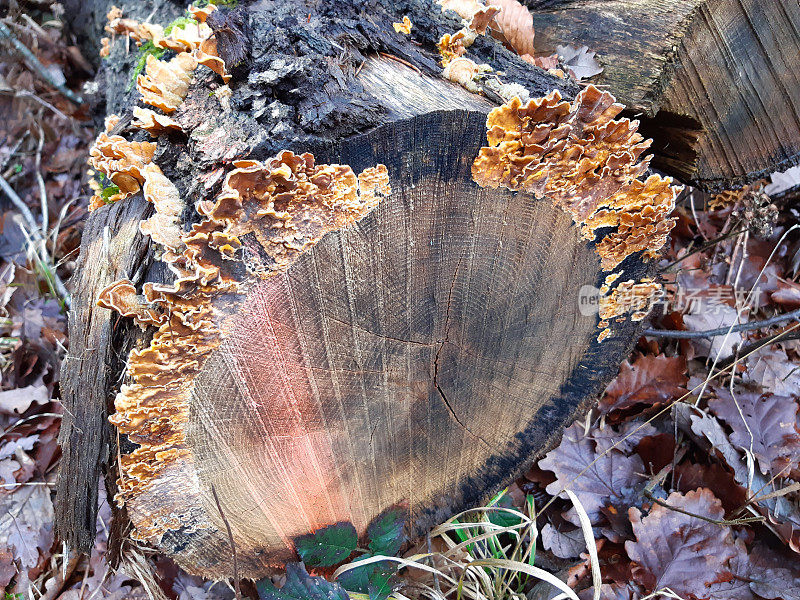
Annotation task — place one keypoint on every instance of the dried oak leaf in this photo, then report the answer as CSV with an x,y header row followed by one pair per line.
x,y
774,573
564,544
649,380
733,583
691,476
612,591
26,524
771,369
720,346
783,515
13,457
579,61
763,423
18,400
678,551
598,478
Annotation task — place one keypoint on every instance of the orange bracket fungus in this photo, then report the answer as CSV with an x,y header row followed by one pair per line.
x,y
587,163
267,214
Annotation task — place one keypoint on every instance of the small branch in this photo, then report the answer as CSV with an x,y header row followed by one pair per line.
x,y
21,207
741,521
233,544
749,326
705,246
33,63
783,336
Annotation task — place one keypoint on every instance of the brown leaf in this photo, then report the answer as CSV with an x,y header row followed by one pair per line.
x,y
690,476
771,369
564,544
763,423
545,62
783,515
734,582
650,380
515,24
714,317
20,399
611,591
657,451
774,573
679,551
26,524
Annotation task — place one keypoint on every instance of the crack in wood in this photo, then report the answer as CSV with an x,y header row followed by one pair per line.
x,y
438,352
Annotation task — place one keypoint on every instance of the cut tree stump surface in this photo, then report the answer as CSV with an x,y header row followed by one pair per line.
x,y
420,358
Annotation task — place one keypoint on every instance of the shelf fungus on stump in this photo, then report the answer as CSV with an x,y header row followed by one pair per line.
x,y
334,344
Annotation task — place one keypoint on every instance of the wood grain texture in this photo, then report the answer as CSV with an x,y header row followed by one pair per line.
x,y
719,76
738,76
115,250
421,358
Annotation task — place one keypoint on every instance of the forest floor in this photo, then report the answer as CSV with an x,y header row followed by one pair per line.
x,y
683,479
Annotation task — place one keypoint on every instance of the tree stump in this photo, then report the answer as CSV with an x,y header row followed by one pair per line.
x,y
718,79
361,286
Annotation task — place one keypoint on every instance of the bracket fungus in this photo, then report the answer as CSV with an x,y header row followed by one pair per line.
x,y
587,163
267,214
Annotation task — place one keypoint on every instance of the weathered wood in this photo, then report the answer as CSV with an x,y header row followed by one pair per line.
x,y
717,80
112,249
419,357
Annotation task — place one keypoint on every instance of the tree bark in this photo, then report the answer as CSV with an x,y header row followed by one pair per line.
x,y
412,348
716,81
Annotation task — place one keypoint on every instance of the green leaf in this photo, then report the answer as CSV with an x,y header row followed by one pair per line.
x,y
374,579
502,518
300,586
386,532
327,546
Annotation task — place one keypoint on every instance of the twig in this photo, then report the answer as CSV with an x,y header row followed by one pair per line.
x,y
753,346
749,326
647,494
21,207
33,63
36,234
45,103
702,248
233,544
400,60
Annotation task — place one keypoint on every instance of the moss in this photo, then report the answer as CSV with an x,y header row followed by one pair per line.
x,y
180,22
145,50
204,3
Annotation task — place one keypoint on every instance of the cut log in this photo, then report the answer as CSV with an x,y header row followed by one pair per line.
x,y
396,318
719,79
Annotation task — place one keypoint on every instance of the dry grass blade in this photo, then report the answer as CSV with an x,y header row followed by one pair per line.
x,y
591,546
